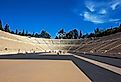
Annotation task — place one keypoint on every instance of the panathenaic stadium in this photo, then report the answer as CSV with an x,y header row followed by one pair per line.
x,y
29,59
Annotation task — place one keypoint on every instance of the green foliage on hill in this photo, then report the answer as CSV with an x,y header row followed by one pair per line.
x,y
73,34
45,34
99,33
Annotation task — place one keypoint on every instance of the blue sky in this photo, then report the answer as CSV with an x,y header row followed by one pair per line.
x,y
52,15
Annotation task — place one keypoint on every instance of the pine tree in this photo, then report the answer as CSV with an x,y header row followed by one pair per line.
x,y
80,34
26,33
61,34
56,37
36,35
75,34
33,35
45,34
16,31
7,29
12,32
23,33
1,28
120,25
19,33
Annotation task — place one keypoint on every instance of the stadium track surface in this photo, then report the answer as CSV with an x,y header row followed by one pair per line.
x,y
108,60
95,73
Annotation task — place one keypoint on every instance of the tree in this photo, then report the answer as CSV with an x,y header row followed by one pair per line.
x,y
7,29
75,34
61,34
33,35
12,32
90,35
80,36
19,33
1,28
56,37
16,31
30,35
98,32
36,35
23,33
26,34
85,36
45,34
120,26
69,35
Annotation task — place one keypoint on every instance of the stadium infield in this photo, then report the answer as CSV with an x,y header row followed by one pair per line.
x,y
40,71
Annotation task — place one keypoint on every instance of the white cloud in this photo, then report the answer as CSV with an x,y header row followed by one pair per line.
x,y
81,14
96,18
114,4
114,20
90,6
103,11
92,18
99,12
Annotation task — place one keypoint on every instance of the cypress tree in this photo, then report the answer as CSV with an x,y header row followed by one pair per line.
x,y
1,28
7,29
26,33
16,31
80,34
23,33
